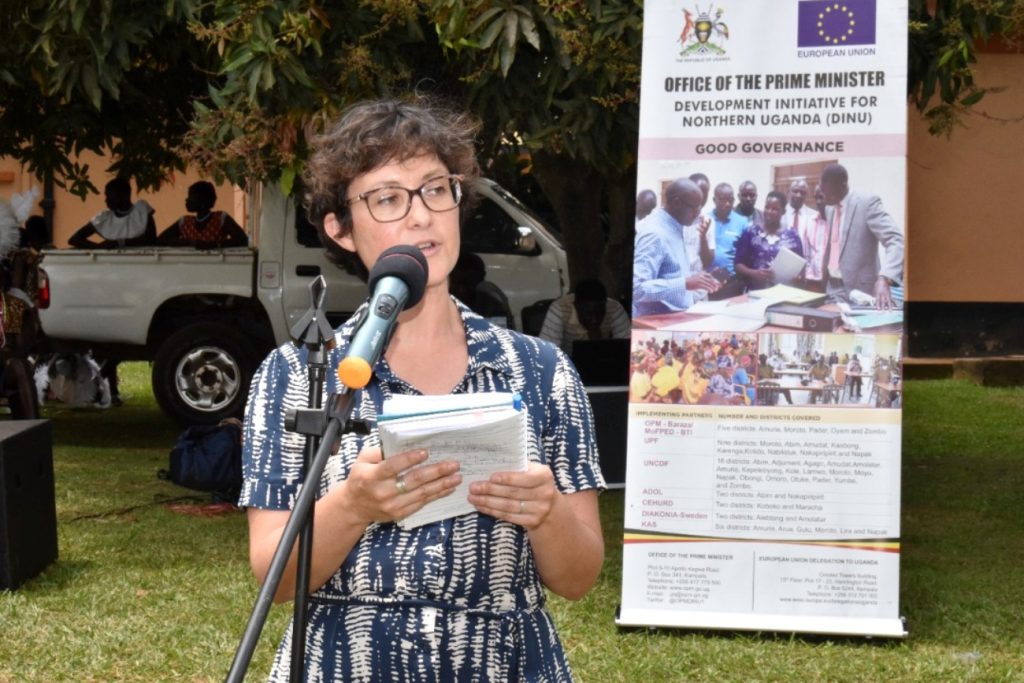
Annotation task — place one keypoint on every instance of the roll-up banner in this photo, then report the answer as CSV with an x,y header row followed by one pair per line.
x,y
763,464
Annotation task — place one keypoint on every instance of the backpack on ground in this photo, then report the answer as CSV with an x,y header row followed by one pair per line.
x,y
208,458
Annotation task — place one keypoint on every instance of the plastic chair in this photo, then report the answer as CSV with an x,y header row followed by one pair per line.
x,y
832,393
767,393
839,373
877,397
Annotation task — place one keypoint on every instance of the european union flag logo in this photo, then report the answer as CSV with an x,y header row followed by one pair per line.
x,y
829,23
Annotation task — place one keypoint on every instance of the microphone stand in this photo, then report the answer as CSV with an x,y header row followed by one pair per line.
x,y
322,427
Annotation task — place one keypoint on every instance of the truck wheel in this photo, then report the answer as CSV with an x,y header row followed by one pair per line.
x,y
201,374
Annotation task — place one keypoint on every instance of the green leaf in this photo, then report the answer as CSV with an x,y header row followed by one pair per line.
x,y
237,61
254,83
529,30
267,79
511,31
288,175
78,16
507,54
91,86
973,98
491,33
217,97
484,18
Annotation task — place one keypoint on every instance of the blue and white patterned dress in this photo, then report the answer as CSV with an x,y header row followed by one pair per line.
x,y
457,600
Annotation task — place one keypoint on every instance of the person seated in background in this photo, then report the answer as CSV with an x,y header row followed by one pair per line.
x,y
882,376
692,381
758,246
743,385
586,313
721,381
203,228
123,224
639,379
767,369
468,283
35,236
820,371
665,380
18,320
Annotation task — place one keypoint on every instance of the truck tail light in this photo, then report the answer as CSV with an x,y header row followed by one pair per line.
x,y
43,295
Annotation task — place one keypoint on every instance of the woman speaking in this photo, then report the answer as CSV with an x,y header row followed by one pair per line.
x,y
461,599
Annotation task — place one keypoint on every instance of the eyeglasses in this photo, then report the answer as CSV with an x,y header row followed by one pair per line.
x,y
388,204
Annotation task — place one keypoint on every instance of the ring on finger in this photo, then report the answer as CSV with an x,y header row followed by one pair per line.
x,y
522,507
400,484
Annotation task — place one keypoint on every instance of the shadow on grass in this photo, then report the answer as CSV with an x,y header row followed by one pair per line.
x,y
59,576
125,427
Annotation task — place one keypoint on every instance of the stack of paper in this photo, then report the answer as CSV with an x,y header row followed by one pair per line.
x,y
789,295
485,433
868,321
725,316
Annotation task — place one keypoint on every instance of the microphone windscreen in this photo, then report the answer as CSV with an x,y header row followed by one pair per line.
x,y
408,264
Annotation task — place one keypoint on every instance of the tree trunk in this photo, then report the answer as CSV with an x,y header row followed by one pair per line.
x,y
617,266
574,190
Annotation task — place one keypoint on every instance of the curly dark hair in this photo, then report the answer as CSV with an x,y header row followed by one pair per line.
x,y
779,196
372,133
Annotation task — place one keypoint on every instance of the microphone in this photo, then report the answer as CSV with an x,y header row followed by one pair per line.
x,y
397,282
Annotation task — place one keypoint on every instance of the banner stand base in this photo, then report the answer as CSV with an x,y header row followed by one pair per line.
x,y
724,621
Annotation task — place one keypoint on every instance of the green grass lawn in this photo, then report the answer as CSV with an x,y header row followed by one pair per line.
x,y
143,593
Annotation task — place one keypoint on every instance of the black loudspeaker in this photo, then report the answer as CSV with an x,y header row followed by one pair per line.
x,y
28,511
611,413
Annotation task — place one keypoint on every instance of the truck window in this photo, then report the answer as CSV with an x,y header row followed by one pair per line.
x,y
305,232
489,229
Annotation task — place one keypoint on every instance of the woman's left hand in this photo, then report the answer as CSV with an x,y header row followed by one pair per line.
x,y
523,498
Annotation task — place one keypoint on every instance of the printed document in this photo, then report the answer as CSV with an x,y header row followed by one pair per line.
x,y
484,432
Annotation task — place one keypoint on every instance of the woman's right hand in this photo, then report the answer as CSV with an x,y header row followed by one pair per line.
x,y
387,490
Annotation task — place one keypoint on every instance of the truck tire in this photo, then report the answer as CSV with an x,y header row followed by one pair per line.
x,y
201,373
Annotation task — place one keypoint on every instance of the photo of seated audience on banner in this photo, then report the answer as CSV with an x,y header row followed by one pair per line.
x,y
776,369
829,370
693,368
767,245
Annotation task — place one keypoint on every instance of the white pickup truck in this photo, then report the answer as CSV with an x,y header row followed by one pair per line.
x,y
207,318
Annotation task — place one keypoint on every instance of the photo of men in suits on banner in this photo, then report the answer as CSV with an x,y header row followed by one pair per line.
x,y
824,234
